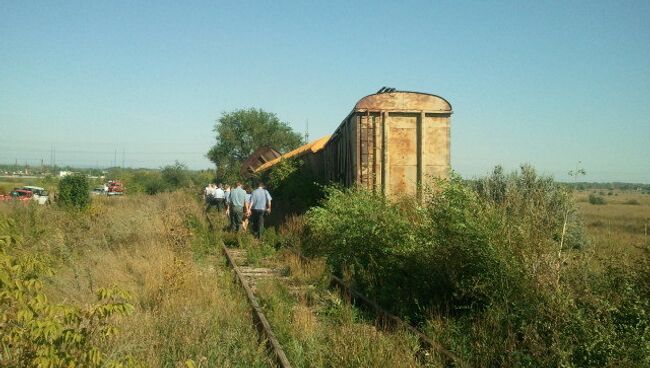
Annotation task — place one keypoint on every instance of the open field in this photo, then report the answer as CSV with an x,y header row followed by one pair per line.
x,y
620,226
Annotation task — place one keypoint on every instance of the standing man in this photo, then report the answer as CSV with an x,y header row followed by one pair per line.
x,y
220,198
227,194
259,206
208,195
237,203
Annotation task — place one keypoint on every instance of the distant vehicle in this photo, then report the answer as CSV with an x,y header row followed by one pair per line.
x,y
19,195
40,195
98,191
115,188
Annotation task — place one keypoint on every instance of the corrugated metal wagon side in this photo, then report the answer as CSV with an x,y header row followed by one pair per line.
x,y
391,142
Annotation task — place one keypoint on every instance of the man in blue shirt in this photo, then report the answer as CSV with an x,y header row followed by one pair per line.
x,y
237,202
260,205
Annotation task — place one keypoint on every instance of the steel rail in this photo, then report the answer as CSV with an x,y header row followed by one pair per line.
x,y
385,316
259,319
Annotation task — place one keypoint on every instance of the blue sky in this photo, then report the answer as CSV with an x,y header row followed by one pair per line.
x,y
548,83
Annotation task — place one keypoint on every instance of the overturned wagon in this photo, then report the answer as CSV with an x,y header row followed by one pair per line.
x,y
392,141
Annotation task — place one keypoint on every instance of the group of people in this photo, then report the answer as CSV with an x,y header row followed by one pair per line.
x,y
241,206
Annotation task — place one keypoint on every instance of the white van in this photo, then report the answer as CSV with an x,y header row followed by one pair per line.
x,y
40,194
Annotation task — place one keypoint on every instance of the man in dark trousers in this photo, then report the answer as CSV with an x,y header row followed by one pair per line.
x,y
238,203
259,206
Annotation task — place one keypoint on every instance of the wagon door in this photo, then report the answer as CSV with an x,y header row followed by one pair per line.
x,y
402,153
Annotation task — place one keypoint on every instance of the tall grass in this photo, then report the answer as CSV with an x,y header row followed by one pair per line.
x,y
159,250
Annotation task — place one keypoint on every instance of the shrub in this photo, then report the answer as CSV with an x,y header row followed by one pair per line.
x,y
293,185
74,191
498,265
410,259
37,333
536,208
633,202
596,199
154,185
175,176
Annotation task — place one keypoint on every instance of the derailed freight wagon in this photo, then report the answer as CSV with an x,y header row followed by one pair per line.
x,y
391,142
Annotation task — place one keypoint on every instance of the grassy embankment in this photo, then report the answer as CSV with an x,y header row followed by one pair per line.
x,y
157,249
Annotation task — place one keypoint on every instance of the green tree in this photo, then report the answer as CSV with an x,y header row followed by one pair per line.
x,y
74,191
176,175
241,132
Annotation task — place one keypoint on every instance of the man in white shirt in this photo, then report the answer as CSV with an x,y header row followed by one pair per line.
x,y
209,197
220,197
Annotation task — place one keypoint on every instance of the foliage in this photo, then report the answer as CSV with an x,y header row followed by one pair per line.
x,y
538,208
241,132
293,186
175,176
74,191
633,202
596,199
495,265
37,333
410,259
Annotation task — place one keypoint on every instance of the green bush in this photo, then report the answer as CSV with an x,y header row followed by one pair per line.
x,y
154,185
495,266
74,191
535,207
35,332
596,199
176,176
411,258
293,186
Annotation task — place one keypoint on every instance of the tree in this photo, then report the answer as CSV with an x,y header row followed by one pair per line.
x,y
175,176
241,132
74,191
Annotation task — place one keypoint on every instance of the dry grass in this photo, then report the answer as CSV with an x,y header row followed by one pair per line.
x,y
186,306
616,228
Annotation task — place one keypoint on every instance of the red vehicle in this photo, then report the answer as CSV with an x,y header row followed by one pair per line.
x,y
115,188
19,195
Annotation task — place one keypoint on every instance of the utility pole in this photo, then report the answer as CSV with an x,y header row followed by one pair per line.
x,y
115,158
123,154
307,132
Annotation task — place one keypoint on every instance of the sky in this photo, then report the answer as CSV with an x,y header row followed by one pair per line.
x,y
557,84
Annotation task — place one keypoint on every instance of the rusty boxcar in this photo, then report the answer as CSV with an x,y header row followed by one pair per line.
x,y
392,141
258,158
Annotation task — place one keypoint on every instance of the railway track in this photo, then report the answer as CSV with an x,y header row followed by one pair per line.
x,y
249,277
389,320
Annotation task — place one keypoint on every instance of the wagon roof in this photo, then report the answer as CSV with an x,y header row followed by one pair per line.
x,y
404,100
312,147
